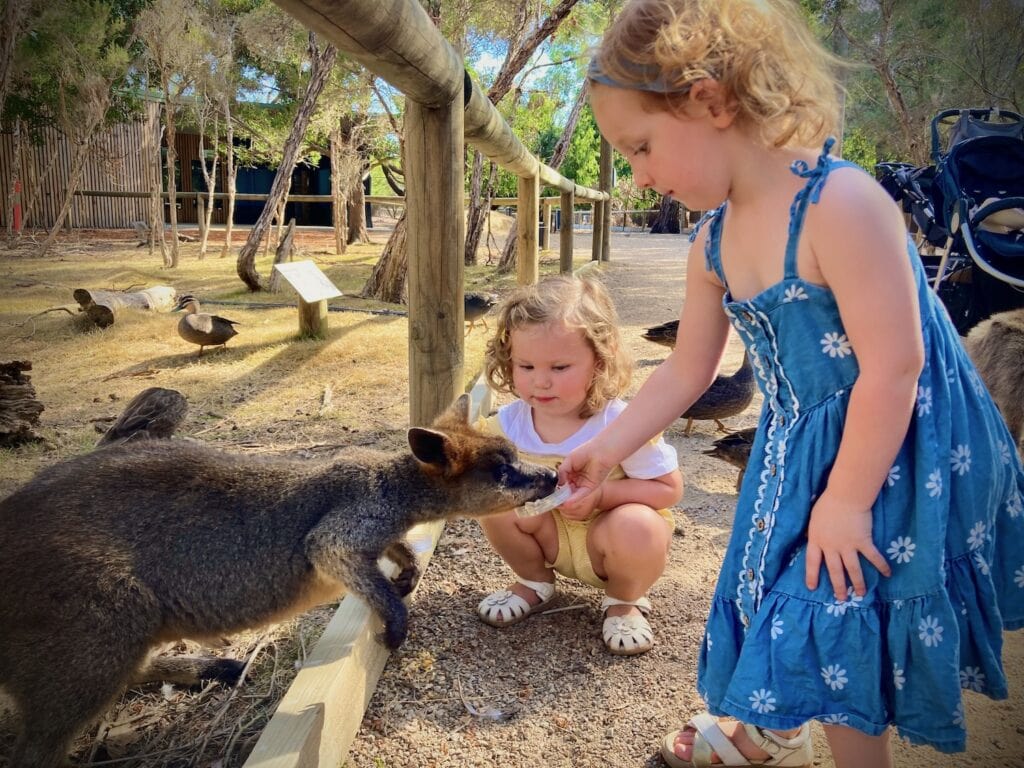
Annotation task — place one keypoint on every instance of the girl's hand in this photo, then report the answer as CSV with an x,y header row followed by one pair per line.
x,y
585,468
839,532
582,507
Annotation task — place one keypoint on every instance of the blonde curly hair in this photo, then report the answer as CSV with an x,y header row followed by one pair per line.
x,y
772,69
581,303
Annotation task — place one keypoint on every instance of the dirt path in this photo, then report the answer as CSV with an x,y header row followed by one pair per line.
x,y
545,692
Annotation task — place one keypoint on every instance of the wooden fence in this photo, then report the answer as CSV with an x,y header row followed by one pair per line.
x,y
121,158
396,40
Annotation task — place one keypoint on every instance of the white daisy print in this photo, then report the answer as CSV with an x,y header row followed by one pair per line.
x,y
972,678
776,628
836,345
950,375
901,549
982,566
1018,577
934,484
1015,506
924,400
930,631
978,535
979,387
838,608
958,715
834,677
1004,452
898,678
794,293
897,604
894,475
960,459
762,701
835,720
709,642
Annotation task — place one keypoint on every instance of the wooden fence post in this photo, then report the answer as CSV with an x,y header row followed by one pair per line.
x,y
434,147
605,185
526,231
565,233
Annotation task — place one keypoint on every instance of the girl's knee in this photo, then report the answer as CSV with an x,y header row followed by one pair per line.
x,y
636,528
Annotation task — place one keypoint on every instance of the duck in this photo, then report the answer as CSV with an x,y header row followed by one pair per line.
x,y
734,448
477,304
203,329
153,414
664,334
727,396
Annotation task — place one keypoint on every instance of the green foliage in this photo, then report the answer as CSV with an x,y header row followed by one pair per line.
x,y
859,148
71,59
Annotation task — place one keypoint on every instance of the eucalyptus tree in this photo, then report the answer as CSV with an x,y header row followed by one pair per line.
x,y
175,40
298,64
76,54
921,56
518,28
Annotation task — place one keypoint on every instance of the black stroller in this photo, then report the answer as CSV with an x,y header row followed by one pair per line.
x,y
969,206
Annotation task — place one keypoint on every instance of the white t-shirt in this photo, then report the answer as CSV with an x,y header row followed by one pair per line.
x,y
654,459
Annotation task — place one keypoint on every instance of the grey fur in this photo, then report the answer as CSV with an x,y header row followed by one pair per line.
x,y
996,346
104,556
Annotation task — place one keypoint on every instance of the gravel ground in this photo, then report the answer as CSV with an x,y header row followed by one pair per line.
x,y
545,692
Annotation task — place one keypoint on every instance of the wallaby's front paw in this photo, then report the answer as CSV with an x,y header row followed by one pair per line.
x,y
405,582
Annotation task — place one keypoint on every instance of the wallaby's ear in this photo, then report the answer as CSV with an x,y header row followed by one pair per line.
x,y
460,408
429,446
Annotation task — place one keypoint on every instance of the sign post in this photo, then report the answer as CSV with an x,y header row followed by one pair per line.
x,y
314,289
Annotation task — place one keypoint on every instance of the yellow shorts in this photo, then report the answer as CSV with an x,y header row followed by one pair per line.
x,y
573,559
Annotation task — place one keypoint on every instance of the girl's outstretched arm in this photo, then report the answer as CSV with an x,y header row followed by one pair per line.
x,y
859,242
672,388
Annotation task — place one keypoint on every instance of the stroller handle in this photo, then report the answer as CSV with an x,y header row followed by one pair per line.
x,y
985,114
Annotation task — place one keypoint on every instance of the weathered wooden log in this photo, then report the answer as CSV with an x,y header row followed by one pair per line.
x,y
104,307
19,409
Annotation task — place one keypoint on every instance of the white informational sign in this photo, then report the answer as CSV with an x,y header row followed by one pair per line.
x,y
307,279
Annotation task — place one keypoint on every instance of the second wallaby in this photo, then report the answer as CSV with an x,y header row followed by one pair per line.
x,y
104,556
996,345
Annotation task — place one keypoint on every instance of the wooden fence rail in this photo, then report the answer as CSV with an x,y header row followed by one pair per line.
x,y
396,40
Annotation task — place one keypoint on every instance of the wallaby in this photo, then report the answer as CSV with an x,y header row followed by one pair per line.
x,y
104,556
996,346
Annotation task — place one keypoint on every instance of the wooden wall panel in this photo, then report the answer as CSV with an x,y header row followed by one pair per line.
x,y
116,162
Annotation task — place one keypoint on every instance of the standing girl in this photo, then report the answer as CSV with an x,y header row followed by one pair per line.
x,y
557,348
876,553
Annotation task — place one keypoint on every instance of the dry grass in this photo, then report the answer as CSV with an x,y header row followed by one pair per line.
x,y
267,390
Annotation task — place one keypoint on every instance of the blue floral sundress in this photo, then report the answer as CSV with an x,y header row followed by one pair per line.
x,y
949,518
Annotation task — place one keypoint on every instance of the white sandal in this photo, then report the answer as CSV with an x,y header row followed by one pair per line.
x,y
505,607
709,739
627,635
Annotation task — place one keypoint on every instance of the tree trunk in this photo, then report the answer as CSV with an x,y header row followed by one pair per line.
x,y
356,219
172,181
232,178
387,282
507,263
666,221
508,254
210,177
322,62
14,13
154,134
77,167
339,205
13,196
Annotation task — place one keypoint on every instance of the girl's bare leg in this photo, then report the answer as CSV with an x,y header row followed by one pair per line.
x,y
855,749
525,544
628,547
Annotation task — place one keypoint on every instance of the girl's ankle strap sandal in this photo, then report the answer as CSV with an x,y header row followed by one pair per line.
x,y
505,607
627,635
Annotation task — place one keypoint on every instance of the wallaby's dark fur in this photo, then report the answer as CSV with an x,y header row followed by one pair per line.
x,y
106,555
996,346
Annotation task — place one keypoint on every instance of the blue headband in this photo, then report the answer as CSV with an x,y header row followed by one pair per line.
x,y
648,78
